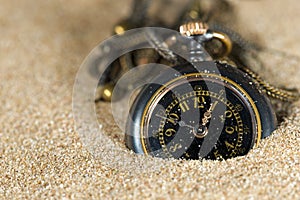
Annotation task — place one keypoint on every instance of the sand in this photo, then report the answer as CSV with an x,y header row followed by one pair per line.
x,y
42,45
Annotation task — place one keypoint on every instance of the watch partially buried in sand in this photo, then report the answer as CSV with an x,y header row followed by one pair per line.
x,y
211,105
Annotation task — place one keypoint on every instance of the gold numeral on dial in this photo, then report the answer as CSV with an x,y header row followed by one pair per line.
x,y
246,130
229,146
175,147
187,155
228,114
238,107
198,102
231,129
173,118
217,154
222,118
184,106
169,132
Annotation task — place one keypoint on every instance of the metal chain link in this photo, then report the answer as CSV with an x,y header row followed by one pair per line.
x,y
242,52
273,91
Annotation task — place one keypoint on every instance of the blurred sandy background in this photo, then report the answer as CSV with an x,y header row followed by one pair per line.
x,y
43,43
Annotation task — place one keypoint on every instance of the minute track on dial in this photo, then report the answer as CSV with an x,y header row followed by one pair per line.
x,y
227,143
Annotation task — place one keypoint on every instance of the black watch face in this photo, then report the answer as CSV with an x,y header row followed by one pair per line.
x,y
199,115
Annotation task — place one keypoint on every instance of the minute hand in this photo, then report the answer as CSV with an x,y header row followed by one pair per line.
x,y
207,114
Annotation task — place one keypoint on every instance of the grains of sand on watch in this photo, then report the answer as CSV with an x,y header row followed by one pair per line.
x,y
42,45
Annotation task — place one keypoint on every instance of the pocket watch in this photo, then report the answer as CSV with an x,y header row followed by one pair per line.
x,y
200,109
212,107
197,112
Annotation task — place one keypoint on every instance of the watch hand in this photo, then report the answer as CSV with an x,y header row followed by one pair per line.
x,y
207,114
202,130
173,121
182,123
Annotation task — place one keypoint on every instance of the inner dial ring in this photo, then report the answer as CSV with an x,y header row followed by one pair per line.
x,y
237,124
179,122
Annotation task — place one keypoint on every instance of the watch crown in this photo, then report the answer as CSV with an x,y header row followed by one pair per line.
x,y
193,28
